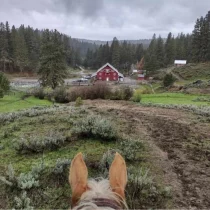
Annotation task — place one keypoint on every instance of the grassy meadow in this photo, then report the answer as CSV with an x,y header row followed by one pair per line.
x,y
176,99
14,102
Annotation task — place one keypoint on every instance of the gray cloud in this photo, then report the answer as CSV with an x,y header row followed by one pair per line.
x,y
104,19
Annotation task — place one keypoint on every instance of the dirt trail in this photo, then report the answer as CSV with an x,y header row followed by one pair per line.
x,y
178,142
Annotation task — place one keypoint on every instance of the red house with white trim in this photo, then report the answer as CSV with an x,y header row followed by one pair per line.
x,y
108,73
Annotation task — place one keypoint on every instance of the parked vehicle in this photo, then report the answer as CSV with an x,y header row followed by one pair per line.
x,y
87,77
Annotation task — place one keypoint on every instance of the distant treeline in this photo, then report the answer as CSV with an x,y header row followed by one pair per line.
x,y
120,55
20,48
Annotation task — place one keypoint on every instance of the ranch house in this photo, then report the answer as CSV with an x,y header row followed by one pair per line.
x,y
108,73
178,63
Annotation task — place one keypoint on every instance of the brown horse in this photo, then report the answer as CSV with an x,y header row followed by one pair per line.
x,y
103,194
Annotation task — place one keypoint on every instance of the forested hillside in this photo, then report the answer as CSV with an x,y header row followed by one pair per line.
x,y
120,55
20,48
161,52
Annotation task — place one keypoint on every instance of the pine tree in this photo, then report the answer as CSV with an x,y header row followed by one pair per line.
x,y
160,53
21,51
208,35
151,62
32,44
9,40
4,51
52,69
139,52
106,53
169,50
196,40
115,53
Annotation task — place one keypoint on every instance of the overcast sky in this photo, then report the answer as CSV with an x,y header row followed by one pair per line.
x,y
104,19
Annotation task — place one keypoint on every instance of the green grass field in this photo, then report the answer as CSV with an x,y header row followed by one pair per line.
x,y
174,98
13,102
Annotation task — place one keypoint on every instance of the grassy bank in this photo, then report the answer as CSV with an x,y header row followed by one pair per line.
x,y
175,98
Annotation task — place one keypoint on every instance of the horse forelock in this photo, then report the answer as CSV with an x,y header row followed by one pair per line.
x,y
100,192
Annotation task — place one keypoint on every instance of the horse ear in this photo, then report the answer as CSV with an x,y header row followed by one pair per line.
x,y
118,175
78,178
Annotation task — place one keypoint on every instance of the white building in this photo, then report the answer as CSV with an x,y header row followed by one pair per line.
x,y
180,63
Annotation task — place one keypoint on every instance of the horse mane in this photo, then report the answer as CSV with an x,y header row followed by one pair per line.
x,y
99,189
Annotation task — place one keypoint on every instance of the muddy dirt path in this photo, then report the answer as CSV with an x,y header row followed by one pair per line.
x,y
179,143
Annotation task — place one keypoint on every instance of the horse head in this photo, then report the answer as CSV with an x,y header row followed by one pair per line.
x,y
102,194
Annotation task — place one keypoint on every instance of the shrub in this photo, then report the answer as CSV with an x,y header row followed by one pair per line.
x,y
61,169
79,101
106,161
143,192
122,93
127,92
61,95
1,93
95,126
97,91
48,93
131,148
22,202
38,93
137,96
61,166
24,181
4,84
146,90
52,141
168,80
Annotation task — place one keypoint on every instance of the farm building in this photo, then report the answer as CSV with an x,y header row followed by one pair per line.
x,y
178,63
141,74
108,73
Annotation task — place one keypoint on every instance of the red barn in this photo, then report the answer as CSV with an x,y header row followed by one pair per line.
x,y
108,73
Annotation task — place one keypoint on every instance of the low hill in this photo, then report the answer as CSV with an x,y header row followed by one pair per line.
x,y
193,71
145,42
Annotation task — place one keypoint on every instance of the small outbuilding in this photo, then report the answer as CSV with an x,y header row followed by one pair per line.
x,y
178,63
108,73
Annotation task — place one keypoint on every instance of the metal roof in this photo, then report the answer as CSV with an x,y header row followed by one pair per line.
x,y
180,62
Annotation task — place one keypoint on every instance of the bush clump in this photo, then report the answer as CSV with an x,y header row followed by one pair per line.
x,y
127,145
97,91
35,144
168,80
122,93
96,127
106,161
78,102
4,84
61,95
143,192
38,93
137,96
24,181
61,169
61,166
22,202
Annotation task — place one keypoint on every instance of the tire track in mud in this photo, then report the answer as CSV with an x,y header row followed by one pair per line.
x,y
170,135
